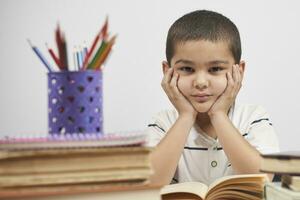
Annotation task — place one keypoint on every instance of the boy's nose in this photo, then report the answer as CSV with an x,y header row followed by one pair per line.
x,y
201,81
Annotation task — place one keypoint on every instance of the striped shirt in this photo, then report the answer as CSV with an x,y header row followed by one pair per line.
x,y
203,158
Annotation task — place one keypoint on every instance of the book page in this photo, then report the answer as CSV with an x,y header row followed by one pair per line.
x,y
99,176
75,190
233,194
238,179
196,188
244,186
74,162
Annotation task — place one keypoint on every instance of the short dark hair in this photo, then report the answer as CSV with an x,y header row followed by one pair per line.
x,y
204,25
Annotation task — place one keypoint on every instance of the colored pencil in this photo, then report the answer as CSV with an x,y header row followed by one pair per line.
x,y
102,33
81,53
79,57
75,59
83,57
98,53
105,53
62,48
55,58
64,52
40,55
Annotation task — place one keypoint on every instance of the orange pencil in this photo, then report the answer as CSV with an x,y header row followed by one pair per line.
x,y
105,53
93,59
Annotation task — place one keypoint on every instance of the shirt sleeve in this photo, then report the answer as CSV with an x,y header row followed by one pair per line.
x,y
159,126
157,130
261,133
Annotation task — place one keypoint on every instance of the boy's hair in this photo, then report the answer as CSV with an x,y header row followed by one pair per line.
x,y
204,25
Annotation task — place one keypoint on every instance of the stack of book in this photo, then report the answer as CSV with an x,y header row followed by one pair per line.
x,y
286,164
69,164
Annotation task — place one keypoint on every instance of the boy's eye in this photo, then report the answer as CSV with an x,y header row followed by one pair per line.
x,y
186,69
215,69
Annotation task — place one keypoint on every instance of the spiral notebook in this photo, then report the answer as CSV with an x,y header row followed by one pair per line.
x,y
73,141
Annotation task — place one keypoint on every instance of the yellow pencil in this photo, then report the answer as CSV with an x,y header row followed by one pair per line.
x,y
105,53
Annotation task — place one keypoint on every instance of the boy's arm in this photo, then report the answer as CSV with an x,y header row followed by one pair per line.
x,y
244,158
166,155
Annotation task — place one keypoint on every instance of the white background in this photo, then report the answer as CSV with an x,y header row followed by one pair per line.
x,y
270,33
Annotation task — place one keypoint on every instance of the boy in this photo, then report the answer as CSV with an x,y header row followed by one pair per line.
x,y
207,136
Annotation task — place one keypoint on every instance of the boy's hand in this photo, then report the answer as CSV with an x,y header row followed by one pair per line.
x,y
169,84
226,99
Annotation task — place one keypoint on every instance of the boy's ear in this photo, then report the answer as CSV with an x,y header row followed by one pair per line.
x,y
165,67
242,65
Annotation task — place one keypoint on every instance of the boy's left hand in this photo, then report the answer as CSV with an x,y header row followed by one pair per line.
x,y
226,99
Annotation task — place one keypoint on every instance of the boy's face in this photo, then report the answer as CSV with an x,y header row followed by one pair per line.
x,y
202,67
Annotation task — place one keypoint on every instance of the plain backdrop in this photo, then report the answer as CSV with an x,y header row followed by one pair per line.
x,y
270,33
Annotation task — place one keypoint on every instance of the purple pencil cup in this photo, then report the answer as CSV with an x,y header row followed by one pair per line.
x,y
75,102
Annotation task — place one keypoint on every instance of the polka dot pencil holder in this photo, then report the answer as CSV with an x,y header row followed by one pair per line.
x,y
75,102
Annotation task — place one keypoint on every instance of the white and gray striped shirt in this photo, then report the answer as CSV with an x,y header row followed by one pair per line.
x,y
203,158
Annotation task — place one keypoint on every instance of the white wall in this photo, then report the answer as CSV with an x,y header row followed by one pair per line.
x,y
270,33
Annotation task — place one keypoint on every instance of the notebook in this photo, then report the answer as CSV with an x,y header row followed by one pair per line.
x,y
91,140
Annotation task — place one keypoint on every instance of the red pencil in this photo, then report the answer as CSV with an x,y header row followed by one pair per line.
x,y
64,52
102,33
55,58
59,44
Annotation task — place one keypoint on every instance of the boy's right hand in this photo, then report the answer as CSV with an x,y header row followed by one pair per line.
x,y
170,86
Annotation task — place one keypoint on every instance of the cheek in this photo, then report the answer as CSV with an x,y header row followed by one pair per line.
x,y
183,85
220,85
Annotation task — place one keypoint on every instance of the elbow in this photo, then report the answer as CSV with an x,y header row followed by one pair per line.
x,y
249,167
160,175
160,180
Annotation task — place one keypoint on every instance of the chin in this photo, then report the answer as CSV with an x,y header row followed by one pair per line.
x,y
202,107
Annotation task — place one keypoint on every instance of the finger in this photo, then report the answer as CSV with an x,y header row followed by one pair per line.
x,y
167,78
230,84
236,78
174,84
169,75
234,73
239,77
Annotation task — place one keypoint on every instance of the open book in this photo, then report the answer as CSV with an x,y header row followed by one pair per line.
x,y
242,187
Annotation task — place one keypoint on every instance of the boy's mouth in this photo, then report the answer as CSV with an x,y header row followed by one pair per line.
x,y
201,97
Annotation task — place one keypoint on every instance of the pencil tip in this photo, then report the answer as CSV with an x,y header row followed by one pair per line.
x,y
29,42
